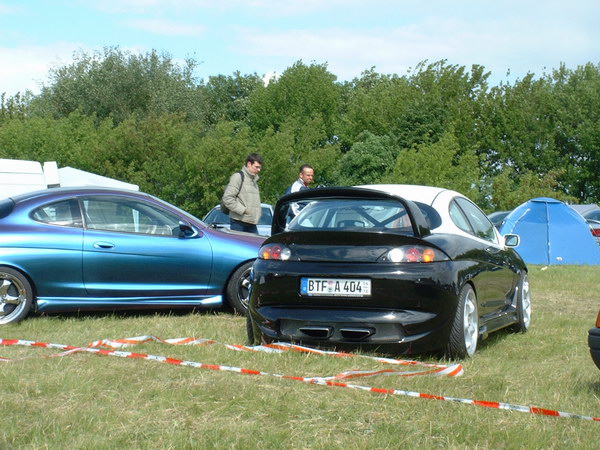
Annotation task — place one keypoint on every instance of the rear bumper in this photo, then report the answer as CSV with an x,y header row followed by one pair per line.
x,y
594,343
400,331
411,309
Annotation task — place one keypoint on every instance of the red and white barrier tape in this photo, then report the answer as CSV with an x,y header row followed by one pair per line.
x,y
280,347
323,381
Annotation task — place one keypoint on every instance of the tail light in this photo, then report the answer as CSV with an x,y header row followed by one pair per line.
x,y
596,232
414,254
276,252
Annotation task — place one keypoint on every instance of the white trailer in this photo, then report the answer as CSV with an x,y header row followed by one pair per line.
x,y
19,176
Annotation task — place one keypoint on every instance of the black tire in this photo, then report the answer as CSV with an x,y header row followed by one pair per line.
x,y
464,336
250,330
238,289
16,296
523,305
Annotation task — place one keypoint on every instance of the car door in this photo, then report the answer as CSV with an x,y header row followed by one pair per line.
x,y
57,237
496,278
132,248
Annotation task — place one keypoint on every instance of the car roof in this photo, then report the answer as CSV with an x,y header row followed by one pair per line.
x,y
74,190
264,205
413,192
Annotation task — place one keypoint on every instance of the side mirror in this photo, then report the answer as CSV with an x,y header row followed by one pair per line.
x,y
186,231
512,240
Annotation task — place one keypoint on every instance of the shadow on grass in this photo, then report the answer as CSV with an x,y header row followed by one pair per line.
x,y
132,313
595,388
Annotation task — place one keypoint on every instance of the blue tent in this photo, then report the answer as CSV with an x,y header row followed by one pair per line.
x,y
551,233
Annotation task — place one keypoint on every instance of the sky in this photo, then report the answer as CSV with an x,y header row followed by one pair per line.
x,y
509,38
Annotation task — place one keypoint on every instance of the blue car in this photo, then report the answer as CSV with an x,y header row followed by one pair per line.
x,y
83,249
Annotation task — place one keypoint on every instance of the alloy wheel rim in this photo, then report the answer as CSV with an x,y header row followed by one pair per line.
x,y
244,288
13,297
526,302
471,332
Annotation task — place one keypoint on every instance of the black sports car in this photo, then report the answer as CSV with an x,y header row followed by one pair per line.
x,y
594,341
415,267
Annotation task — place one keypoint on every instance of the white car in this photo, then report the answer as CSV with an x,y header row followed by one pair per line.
x,y
593,219
218,219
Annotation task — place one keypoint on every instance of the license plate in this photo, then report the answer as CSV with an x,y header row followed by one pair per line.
x,y
335,287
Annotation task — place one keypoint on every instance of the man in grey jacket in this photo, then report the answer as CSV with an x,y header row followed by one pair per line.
x,y
242,196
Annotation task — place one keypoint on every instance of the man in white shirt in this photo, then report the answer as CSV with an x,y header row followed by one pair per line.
x,y
305,179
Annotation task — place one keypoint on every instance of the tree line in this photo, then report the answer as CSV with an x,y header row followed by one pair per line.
x,y
145,119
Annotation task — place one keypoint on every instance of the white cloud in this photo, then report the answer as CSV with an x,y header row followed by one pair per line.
x,y
499,45
26,68
166,27
9,9
273,8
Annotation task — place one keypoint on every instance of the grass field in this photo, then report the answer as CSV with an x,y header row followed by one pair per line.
x,y
90,401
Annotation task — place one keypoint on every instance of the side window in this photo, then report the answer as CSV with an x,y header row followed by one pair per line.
x,y
128,216
431,215
459,219
65,213
481,225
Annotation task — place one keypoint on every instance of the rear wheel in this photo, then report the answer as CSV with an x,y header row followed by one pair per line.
x,y
465,328
16,296
523,305
249,330
238,289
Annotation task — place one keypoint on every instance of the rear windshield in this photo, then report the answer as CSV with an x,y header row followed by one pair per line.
x,y
350,215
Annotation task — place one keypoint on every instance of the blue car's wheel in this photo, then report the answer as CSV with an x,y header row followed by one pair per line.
x,y
238,289
16,296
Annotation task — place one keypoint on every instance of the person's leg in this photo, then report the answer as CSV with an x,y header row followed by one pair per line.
x,y
236,225
250,228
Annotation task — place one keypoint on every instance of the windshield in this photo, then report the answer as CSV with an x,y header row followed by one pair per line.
x,y
353,214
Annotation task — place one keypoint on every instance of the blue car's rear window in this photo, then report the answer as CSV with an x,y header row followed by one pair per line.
x,y
6,207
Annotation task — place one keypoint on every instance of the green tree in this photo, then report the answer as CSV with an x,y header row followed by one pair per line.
x,y
15,106
522,122
227,97
74,141
417,108
213,158
303,93
510,190
367,162
443,164
115,83
576,96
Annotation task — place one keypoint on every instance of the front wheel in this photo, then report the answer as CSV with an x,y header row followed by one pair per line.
x,y
465,328
16,296
238,289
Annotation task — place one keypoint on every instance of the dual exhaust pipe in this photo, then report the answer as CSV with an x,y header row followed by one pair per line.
x,y
325,332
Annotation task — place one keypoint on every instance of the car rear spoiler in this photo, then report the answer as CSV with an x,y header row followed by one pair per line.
x,y
419,223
